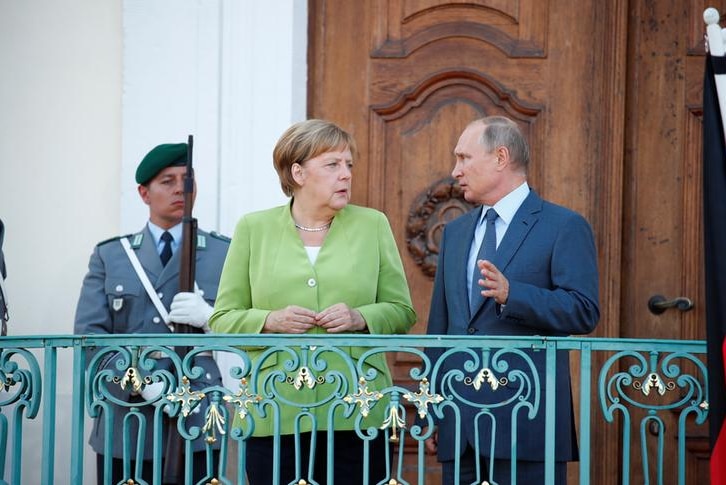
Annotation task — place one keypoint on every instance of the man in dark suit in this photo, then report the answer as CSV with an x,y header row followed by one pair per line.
x,y
115,300
516,265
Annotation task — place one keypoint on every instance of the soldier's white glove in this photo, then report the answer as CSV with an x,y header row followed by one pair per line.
x,y
152,392
190,309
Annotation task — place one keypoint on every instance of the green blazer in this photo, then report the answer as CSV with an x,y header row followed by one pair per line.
x,y
267,268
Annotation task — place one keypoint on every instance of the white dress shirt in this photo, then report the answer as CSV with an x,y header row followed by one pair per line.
x,y
176,233
506,208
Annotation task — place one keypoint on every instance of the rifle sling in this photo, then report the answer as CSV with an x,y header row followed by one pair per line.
x,y
144,278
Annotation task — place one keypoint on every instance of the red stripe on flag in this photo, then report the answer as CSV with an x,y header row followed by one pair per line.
x,y
718,454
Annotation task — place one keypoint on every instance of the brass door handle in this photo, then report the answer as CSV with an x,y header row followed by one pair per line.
x,y
658,304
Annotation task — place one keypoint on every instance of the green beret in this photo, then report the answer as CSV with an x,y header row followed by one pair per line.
x,y
162,156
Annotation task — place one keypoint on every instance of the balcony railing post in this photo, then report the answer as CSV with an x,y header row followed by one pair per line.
x,y
77,410
49,421
585,403
550,424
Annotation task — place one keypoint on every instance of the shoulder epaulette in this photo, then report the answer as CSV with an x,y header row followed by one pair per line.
x,y
219,236
137,240
112,239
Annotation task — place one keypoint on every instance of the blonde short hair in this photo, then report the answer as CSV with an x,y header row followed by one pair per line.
x,y
306,140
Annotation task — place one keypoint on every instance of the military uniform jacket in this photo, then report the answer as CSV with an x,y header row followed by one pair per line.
x,y
114,301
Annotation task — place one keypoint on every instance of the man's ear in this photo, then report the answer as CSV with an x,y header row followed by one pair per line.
x,y
503,158
143,193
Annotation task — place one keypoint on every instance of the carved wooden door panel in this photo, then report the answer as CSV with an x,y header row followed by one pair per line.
x,y
613,123
662,197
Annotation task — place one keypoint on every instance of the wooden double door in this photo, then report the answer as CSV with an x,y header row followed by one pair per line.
x,y
609,95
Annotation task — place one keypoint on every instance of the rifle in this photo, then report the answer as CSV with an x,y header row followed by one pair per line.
x,y
174,463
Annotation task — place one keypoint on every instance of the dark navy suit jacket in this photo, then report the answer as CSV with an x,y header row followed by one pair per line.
x,y
548,255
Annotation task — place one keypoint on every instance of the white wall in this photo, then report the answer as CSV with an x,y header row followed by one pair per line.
x,y
87,88
233,74
60,143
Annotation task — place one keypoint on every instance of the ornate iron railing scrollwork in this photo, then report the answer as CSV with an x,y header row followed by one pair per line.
x,y
655,386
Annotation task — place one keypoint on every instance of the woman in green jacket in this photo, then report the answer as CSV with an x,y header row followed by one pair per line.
x,y
317,265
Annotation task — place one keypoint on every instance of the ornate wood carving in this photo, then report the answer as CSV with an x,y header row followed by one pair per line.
x,y
439,107
519,29
415,96
692,327
440,203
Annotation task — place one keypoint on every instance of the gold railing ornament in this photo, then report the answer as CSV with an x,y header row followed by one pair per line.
x,y
393,421
653,381
363,397
186,397
423,398
704,405
486,376
213,482
242,399
304,376
213,423
7,383
131,376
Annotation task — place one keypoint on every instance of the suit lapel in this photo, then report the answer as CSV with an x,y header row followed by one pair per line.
x,y
149,256
169,271
460,256
523,221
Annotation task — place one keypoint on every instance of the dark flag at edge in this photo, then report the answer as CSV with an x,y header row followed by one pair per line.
x,y
714,225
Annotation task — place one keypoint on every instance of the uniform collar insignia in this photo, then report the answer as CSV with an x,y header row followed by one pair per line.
x,y
201,241
136,240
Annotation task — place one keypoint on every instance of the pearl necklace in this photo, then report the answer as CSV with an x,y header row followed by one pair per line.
x,y
313,229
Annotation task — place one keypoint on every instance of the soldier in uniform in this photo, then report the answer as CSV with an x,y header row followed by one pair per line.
x,y
114,300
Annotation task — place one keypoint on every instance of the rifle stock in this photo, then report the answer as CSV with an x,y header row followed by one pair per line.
x,y
174,459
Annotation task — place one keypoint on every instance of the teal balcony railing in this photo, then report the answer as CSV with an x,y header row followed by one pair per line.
x,y
635,385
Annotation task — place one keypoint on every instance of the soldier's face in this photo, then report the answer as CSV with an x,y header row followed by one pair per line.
x,y
164,195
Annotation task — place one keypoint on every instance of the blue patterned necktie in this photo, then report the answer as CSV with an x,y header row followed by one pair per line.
x,y
486,251
166,250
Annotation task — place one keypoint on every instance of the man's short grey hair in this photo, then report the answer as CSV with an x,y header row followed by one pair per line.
x,y
501,131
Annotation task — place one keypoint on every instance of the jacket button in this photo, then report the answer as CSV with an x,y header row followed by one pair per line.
x,y
471,330
160,295
156,319
201,292
312,282
119,288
